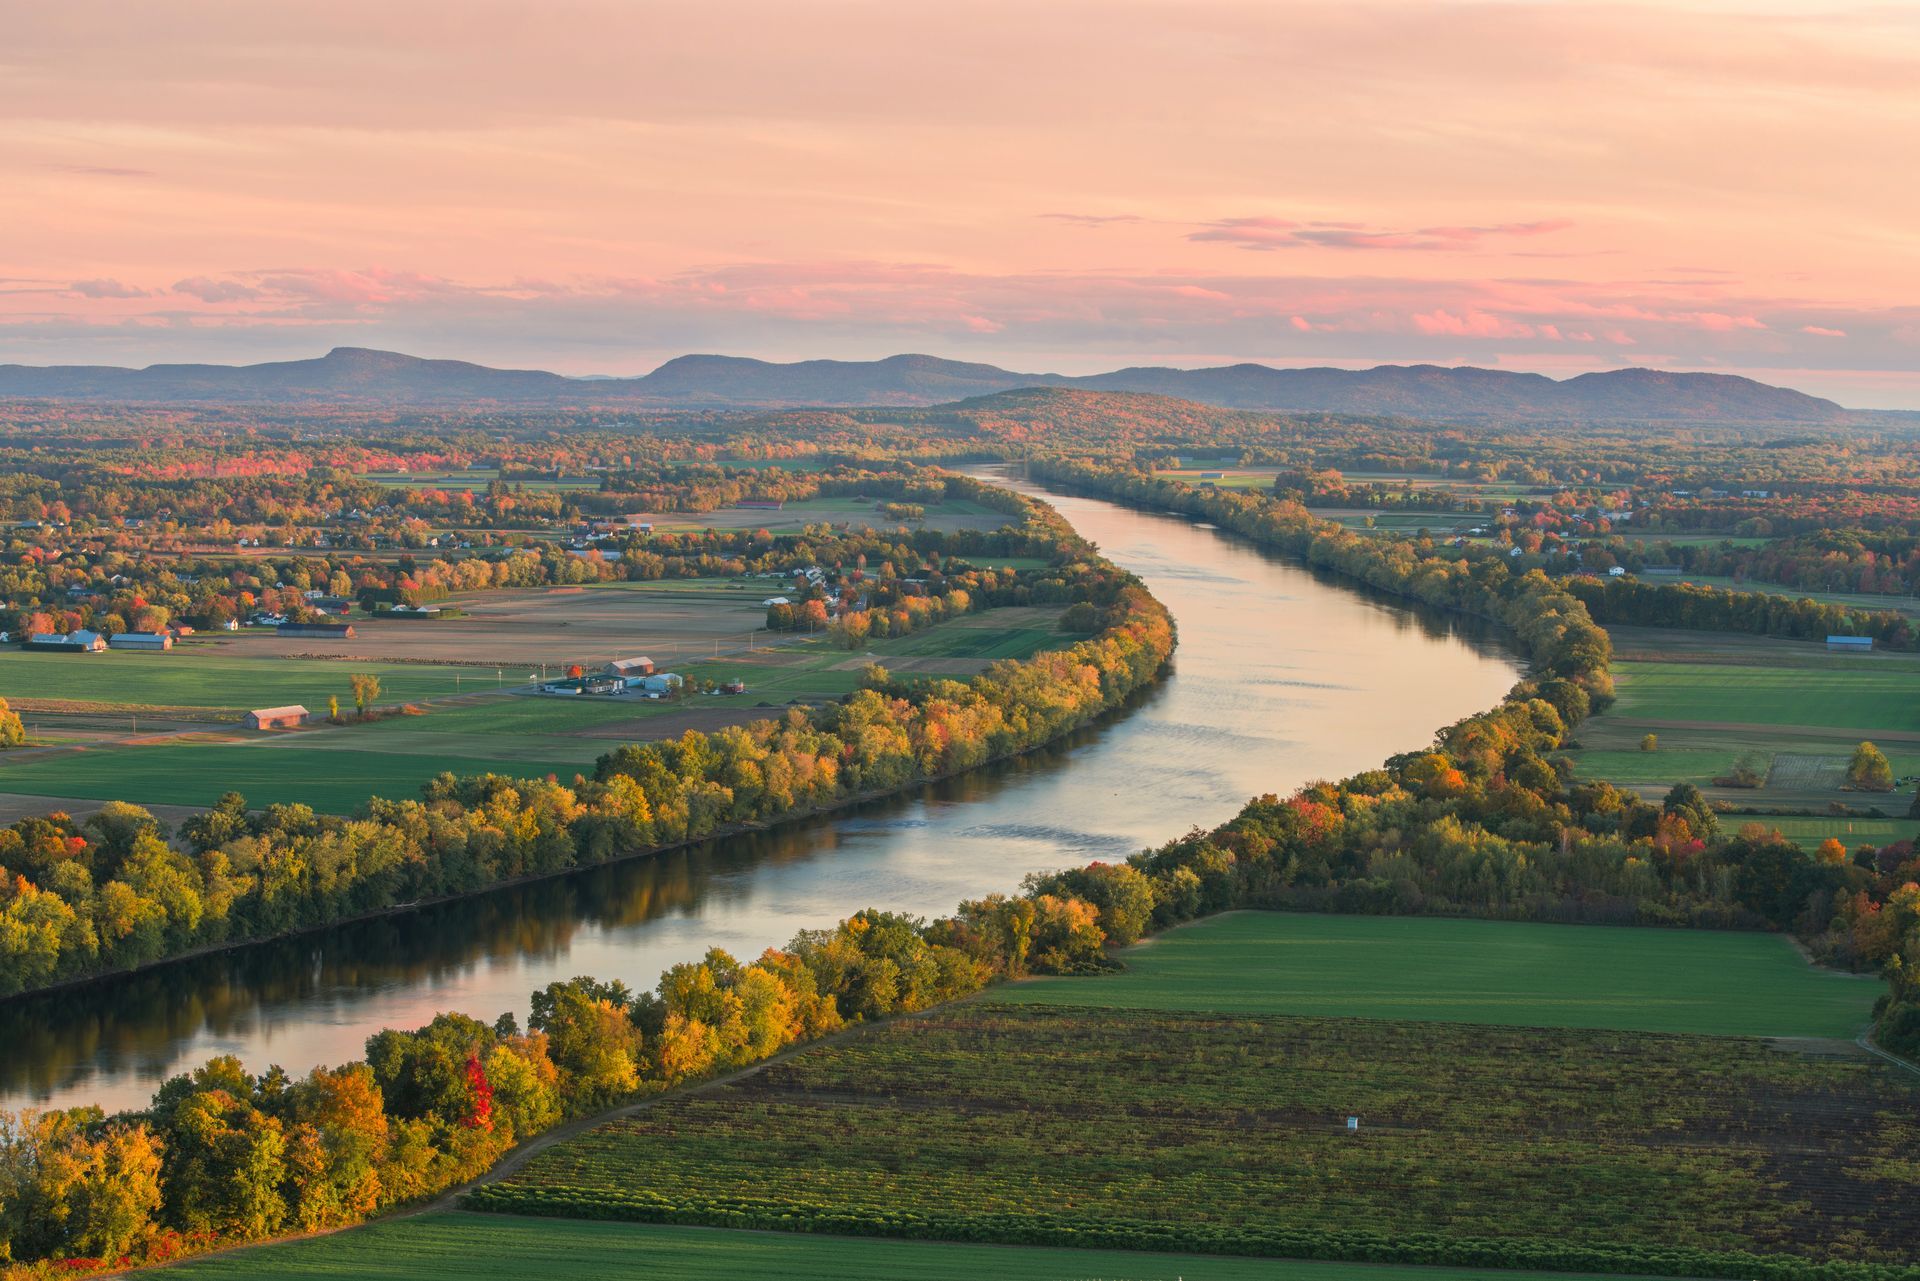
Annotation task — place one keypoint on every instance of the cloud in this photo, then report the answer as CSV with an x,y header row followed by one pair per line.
x,y
105,289
103,171
207,289
1262,234
1092,220
1821,331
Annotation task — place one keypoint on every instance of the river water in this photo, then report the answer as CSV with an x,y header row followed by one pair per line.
x,y
1282,676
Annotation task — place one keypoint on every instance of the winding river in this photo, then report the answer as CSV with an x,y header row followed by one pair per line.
x,y
1282,676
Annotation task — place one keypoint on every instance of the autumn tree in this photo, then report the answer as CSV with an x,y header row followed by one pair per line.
x,y
366,690
1869,770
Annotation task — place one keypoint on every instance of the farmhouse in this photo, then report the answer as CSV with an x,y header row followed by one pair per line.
x,y
142,640
603,684
78,642
276,717
630,667
342,630
1850,642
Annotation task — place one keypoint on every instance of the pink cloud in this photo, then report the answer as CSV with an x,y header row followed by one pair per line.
x,y
105,289
1821,331
1471,324
1279,233
1091,220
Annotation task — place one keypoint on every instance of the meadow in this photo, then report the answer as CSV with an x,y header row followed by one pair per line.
x,y
1176,1130
1500,1073
1486,972
1711,698
493,1247
335,769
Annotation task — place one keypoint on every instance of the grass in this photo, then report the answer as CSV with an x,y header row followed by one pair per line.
x,y
188,773
1487,972
1173,1130
1711,698
188,676
1864,697
491,1247
336,770
1869,601
1851,832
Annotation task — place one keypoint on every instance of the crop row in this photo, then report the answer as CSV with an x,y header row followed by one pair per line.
x,y
1204,1125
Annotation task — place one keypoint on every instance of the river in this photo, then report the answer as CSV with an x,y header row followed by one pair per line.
x,y
1282,676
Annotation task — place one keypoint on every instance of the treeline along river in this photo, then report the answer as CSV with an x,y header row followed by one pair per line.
x,y
1282,676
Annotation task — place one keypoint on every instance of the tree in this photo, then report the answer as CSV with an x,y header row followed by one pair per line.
x,y
12,732
366,689
1650,743
333,707
1870,771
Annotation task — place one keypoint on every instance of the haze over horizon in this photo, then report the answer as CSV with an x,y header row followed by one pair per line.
x,y
589,188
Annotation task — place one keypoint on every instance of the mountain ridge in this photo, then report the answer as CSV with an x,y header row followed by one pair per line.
x,y
707,381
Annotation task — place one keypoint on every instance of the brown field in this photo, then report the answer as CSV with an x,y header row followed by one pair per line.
x,y
555,626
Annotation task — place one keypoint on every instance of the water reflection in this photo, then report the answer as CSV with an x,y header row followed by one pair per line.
x,y
1283,675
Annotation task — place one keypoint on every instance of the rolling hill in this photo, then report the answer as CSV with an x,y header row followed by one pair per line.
x,y
710,382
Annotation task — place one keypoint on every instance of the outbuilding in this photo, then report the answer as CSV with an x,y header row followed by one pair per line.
x,y
141,640
276,717
76,642
630,667
1855,643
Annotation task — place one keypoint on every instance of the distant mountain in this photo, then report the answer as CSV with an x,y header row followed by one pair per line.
x,y
732,382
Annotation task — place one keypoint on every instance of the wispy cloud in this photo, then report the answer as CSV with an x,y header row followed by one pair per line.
x,y
1092,220
1264,234
105,289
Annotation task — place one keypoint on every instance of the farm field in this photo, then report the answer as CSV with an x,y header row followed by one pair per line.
x,y
493,1247
951,515
199,676
1711,698
1852,600
335,769
1486,972
1172,1129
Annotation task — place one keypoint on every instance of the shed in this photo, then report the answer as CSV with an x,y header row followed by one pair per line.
x,y
276,717
142,640
630,667
664,683
1850,642
78,642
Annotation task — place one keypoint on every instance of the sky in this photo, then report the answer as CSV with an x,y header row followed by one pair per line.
x,y
1047,185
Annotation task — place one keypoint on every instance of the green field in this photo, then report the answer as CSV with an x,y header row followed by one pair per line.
x,y
491,1247
1711,698
190,677
1183,1131
1493,972
1809,832
331,781
335,769
1851,600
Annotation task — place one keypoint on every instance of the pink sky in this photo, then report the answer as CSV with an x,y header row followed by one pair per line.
x,y
1046,184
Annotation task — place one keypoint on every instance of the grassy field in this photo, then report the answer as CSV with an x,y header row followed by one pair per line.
x,y
1851,600
950,515
1809,832
1488,972
331,781
335,769
1187,1104
1711,698
1175,1130
491,1247
190,676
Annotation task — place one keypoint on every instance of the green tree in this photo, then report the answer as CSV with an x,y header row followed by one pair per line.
x,y
1650,743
